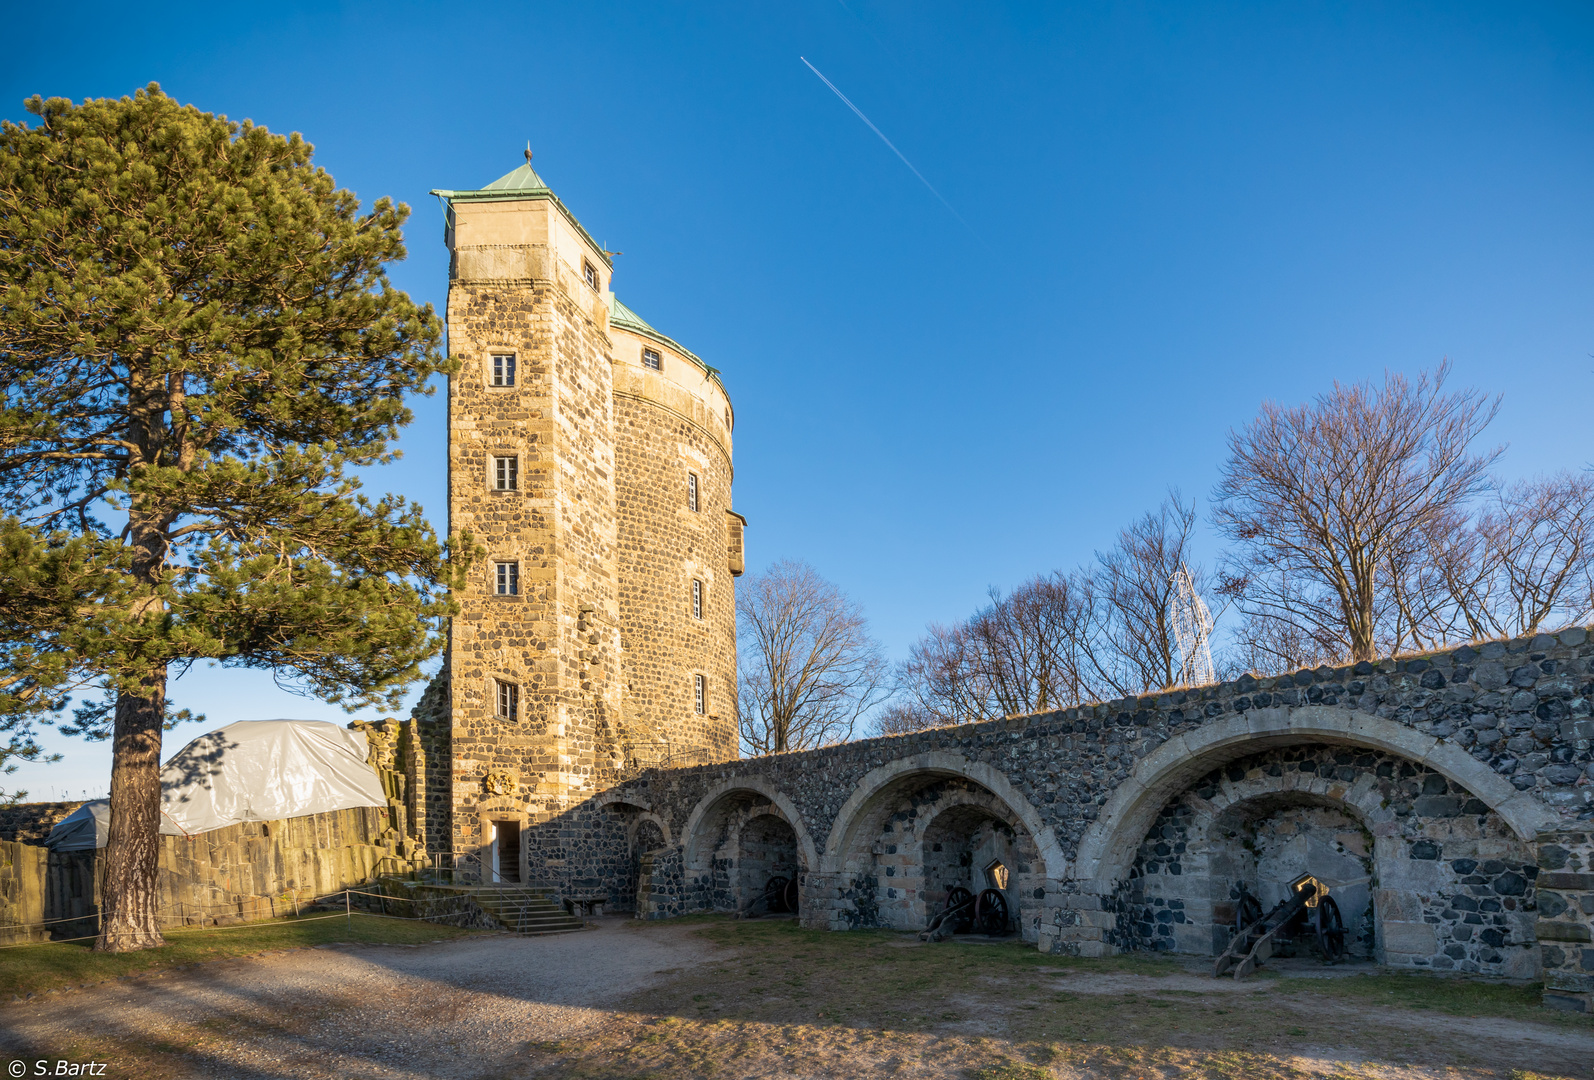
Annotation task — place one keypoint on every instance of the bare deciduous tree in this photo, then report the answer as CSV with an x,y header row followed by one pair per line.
x,y
1136,649
1057,640
809,668
1018,654
1325,501
1525,562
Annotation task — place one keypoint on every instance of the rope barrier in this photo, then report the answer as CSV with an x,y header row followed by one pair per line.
x,y
348,913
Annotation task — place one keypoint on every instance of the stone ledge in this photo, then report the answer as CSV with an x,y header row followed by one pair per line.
x,y
1563,880
1550,930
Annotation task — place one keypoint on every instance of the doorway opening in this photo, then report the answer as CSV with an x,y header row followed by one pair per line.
x,y
506,853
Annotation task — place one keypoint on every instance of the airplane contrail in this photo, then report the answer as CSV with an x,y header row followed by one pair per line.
x,y
846,101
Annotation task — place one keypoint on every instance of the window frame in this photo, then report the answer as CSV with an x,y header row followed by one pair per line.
x,y
652,359
506,700
497,474
497,369
697,598
693,492
511,578
700,693
589,274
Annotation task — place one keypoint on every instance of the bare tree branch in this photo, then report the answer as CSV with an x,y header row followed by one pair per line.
x,y
809,668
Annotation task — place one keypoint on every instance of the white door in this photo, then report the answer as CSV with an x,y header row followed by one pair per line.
x,y
493,849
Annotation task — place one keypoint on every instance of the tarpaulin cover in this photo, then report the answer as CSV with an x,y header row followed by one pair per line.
x,y
254,770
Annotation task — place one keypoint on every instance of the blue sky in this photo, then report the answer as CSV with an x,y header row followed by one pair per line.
x,y
1174,212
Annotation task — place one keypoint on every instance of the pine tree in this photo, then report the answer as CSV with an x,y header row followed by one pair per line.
x,y
197,343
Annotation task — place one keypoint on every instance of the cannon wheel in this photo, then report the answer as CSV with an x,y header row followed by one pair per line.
x,y
1247,909
1330,930
990,912
775,893
790,895
964,920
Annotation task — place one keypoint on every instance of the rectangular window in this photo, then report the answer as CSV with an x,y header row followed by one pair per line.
x,y
508,700
691,491
508,578
701,692
697,599
506,473
590,273
503,369
651,359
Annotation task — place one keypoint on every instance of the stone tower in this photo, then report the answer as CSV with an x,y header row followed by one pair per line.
x,y
590,460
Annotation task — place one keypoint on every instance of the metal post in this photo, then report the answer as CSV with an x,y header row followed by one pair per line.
x,y
347,913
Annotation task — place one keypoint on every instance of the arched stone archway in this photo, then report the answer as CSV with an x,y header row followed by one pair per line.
x,y
1425,873
738,837
1108,846
936,763
915,827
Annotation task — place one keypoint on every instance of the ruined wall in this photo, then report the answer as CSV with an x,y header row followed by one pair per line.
x,y
1087,785
253,870
30,823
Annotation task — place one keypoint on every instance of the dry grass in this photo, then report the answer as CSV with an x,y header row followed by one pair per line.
x,y
790,1002
31,969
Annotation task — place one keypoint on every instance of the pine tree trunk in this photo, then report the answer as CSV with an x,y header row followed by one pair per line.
x,y
132,851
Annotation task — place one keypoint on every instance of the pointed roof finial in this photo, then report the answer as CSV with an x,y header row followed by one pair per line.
x,y
528,151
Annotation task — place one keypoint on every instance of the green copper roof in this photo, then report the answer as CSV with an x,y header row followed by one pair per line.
x,y
521,179
620,315
522,183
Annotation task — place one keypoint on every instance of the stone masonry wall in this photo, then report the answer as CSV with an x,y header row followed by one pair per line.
x,y
1520,708
1452,887
664,545
558,639
30,823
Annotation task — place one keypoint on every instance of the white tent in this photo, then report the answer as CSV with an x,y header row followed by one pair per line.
x,y
254,770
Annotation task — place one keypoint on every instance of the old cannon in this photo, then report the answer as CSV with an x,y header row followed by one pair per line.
x,y
966,913
778,898
1302,915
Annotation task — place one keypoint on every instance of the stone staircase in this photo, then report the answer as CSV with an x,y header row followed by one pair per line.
x,y
525,909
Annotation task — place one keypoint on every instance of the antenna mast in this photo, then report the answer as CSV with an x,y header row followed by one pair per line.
x,y
1192,626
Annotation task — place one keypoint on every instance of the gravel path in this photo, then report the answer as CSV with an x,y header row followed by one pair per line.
x,y
458,1009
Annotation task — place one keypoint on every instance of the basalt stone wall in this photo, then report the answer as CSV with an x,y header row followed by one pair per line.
x,y
1566,912
30,823
1432,877
1519,709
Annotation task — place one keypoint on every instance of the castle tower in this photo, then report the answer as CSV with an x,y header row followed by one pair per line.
x,y
589,457
680,547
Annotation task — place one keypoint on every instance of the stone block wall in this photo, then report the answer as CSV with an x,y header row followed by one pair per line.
x,y
664,546
253,870
22,878
1446,771
1565,917
30,823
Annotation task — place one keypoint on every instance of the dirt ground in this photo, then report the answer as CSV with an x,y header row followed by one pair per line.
x,y
765,999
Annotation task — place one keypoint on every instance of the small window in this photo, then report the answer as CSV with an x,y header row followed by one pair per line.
x,y
697,599
589,272
652,359
503,369
506,473
701,691
508,578
691,491
508,700
996,876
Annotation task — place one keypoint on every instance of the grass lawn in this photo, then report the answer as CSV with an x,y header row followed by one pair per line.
x,y
877,1003
32,969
